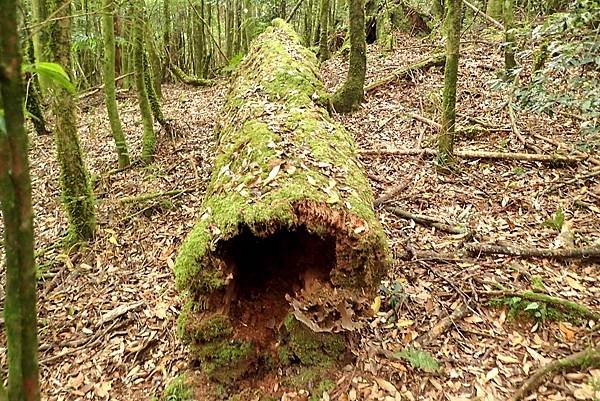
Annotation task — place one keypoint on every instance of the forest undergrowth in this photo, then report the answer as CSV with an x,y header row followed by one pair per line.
x,y
108,312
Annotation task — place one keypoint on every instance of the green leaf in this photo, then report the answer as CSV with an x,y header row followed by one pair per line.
x,y
419,359
557,221
53,72
532,306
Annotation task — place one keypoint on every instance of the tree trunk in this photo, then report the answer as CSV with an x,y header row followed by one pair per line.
x,y
77,195
324,32
446,136
148,137
494,9
509,37
109,83
286,234
352,92
17,211
33,95
41,37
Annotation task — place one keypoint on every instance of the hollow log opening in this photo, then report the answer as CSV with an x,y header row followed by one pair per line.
x,y
265,270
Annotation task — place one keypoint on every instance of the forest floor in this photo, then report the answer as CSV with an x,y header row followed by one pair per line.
x,y
108,312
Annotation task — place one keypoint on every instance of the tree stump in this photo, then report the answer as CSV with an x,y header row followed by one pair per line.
x,y
288,251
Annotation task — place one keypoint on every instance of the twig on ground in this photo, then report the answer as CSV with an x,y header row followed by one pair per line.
x,y
428,221
438,59
473,154
526,252
588,358
117,312
391,193
442,326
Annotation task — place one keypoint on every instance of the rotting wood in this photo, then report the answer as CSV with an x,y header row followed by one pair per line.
x,y
484,15
474,154
528,252
428,221
564,304
434,60
287,224
588,358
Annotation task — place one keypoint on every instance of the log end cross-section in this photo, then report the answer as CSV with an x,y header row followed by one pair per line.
x,y
288,251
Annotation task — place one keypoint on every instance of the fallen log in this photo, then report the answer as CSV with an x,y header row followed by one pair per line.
x,y
434,60
474,154
288,244
564,253
188,80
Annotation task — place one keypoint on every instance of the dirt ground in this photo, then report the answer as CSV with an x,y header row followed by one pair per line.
x,y
108,312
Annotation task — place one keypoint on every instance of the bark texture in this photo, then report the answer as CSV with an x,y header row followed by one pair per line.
x,y
287,223
77,193
17,212
446,137
148,136
352,92
109,83
324,32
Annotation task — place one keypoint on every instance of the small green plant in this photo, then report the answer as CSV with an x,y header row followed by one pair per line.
x,y
233,63
538,311
419,359
518,171
557,221
178,390
537,284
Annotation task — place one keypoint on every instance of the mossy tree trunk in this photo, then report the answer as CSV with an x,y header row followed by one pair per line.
x,y
446,136
352,92
494,9
41,37
33,95
148,136
277,232
509,37
17,213
155,106
77,195
437,9
324,31
109,83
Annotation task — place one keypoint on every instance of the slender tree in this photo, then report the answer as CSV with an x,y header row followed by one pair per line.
x,y
41,36
446,136
509,37
324,33
352,92
77,195
17,211
494,9
109,83
149,137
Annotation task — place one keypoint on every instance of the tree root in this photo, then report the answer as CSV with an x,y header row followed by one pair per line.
x,y
565,253
588,358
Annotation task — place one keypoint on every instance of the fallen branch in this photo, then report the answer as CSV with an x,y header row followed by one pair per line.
x,y
391,194
434,60
473,154
293,12
152,195
91,91
427,221
188,80
524,252
118,312
517,131
588,358
442,326
560,303
484,15
559,145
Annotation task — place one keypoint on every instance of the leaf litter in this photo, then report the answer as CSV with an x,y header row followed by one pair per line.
x,y
107,313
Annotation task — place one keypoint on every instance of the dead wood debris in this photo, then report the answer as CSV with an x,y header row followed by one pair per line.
x,y
528,252
434,60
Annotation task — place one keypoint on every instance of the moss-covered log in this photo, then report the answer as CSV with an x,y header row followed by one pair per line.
x,y
288,249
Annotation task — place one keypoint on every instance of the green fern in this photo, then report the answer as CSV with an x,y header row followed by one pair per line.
x,y
419,359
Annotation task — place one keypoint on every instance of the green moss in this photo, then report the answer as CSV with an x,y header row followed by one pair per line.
x,y
226,360
179,390
310,348
324,387
190,329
